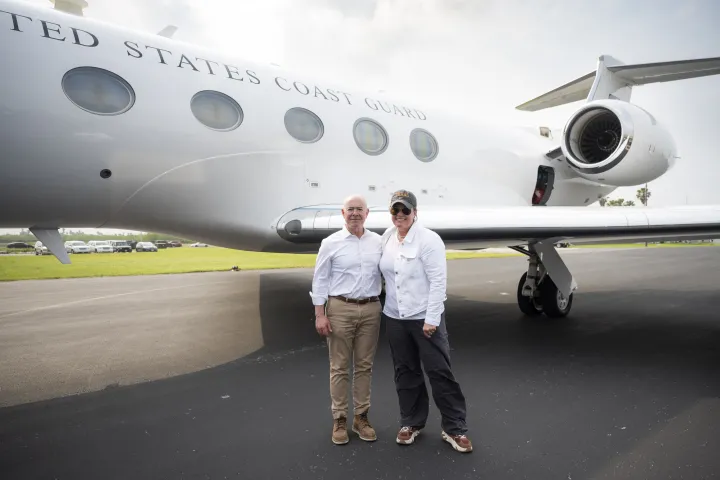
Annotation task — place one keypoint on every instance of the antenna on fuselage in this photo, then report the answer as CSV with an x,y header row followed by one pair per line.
x,y
168,31
74,7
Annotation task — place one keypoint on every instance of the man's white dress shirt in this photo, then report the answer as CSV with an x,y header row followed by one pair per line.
x,y
347,265
415,273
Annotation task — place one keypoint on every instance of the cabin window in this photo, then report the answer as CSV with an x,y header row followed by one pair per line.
x,y
216,110
370,136
98,91
303,125
423,145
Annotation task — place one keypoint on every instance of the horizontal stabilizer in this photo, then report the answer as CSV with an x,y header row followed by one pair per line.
x,y
574,91
642,74
613,79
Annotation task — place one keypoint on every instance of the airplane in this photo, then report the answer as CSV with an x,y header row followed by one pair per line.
x,y
107,127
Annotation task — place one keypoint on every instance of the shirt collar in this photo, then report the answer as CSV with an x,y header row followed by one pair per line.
x,y
411,233
347,233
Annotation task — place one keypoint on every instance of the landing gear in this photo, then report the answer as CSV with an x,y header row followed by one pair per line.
x,y
537,292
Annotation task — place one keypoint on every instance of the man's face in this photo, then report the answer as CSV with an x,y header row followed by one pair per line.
x,y
355,213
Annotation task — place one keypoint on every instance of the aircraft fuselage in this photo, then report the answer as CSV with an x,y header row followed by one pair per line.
x,y
156,167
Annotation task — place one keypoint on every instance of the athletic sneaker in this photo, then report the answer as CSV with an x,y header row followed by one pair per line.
x,y
461,443
407,435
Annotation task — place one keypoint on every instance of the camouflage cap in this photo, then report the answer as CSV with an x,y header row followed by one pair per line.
x,y
405,197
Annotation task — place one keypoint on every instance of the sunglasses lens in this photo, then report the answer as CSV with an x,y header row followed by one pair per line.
x,y
394,210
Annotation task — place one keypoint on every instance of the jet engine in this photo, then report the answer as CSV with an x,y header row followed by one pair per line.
x,y
617,143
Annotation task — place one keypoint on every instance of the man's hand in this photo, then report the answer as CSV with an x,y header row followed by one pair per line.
x,y
428,330
322,325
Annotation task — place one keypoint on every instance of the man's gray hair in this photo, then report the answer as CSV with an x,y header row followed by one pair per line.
x,y
354,197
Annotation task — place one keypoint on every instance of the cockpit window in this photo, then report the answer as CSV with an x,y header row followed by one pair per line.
x,y
98,91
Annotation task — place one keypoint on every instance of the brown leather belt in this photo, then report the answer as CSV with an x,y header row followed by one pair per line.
x,y
359,301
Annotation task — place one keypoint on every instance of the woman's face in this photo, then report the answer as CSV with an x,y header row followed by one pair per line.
x,y
402,216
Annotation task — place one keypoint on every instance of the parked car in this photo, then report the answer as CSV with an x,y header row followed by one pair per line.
x,y
41,249
77,246
19,245
198,244
175,243
145,247
162,244
100,246
120,246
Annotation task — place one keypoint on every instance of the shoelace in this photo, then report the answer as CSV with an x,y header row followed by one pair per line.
x,y
340,423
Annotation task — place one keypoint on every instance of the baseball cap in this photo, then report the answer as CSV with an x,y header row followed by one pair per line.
x,y
405,197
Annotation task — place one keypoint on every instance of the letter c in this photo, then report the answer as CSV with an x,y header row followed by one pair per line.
x,y
278,83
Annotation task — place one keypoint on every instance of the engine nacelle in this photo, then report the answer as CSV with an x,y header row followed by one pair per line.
x,y
617,143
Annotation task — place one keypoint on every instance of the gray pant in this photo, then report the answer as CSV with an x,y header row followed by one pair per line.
x,y
409,347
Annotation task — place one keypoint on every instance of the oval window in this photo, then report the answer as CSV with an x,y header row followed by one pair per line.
x,y
216,110
98,91
303,125
423,145
370,137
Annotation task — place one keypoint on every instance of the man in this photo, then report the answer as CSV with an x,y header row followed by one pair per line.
x,y
345,290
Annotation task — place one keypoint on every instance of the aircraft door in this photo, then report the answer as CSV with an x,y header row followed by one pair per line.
x,y
543,186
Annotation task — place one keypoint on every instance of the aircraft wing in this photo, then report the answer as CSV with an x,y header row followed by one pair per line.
x,y
476,227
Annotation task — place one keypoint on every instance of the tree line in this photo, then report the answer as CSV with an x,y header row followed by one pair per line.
x,y
642,194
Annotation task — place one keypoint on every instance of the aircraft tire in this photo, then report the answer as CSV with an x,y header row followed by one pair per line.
x,y
554,305
527,305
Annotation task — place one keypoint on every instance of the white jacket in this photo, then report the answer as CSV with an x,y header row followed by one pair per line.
x,y
419,276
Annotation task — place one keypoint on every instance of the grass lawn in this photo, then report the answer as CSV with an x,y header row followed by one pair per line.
x,y
174,260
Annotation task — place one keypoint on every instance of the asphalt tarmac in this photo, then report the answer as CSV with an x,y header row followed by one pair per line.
x,y
223,376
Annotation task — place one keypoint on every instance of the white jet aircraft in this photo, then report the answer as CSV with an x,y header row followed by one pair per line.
x,y
103,126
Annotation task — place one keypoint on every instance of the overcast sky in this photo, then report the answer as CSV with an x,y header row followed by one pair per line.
x,y
482,57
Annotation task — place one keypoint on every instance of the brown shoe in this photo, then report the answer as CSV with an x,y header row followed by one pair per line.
x,y
461,443
362,427
407,435
339,435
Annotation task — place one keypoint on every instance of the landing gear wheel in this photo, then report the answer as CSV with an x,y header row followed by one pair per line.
x,y
529,306
554,303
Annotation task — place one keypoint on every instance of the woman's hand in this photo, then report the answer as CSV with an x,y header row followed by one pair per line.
x,y
428,330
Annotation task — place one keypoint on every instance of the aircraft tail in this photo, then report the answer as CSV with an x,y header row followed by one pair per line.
x,y
614,79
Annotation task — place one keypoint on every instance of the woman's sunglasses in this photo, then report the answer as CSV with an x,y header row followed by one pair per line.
x,y
395,209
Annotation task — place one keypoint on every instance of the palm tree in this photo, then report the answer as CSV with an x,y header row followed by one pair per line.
x,y
643,194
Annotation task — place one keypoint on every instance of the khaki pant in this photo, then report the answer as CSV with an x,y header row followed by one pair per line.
x,y
354,339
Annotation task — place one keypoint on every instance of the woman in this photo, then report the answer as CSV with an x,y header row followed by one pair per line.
x,y
414,266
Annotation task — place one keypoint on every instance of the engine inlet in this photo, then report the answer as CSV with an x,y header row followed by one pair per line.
x,y
599,138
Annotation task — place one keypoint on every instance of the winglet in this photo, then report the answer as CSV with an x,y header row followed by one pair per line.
x,y
614,79
168,31
53,241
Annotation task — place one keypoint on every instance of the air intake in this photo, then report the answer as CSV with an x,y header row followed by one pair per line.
x,y
600,138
